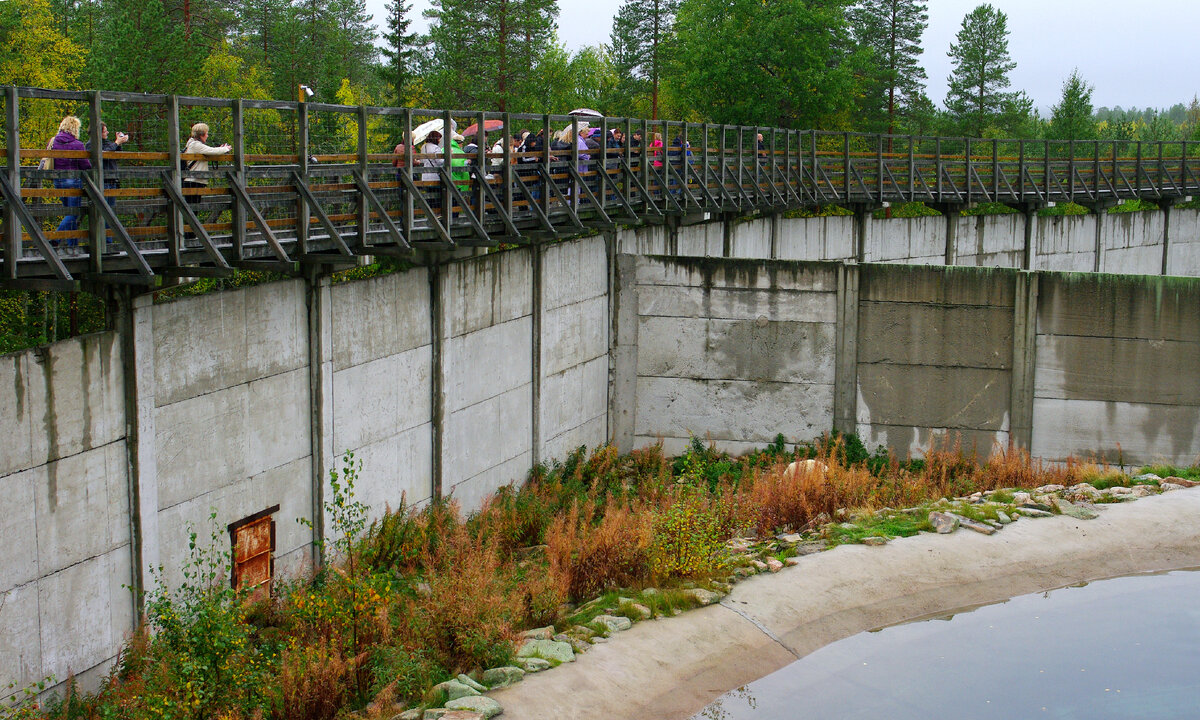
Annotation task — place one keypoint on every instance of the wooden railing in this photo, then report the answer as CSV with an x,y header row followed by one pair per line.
x,y
315,183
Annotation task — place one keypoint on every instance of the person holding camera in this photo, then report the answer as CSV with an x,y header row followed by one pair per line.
x,y
110,166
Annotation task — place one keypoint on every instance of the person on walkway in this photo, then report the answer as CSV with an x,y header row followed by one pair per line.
x,y
433,148
197,145
111,182
68,139
398,163
656,150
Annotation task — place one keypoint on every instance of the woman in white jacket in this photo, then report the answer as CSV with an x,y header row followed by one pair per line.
x,y
196,146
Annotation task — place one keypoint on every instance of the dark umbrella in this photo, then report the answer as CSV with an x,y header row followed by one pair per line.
x,y
488,125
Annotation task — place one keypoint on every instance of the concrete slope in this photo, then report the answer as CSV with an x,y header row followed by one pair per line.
x,y
671,668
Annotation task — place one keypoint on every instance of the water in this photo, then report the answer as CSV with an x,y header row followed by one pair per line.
x,y
1122,648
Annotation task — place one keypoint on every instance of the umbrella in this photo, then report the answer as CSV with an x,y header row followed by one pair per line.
x,y
585,112
422,131
488,126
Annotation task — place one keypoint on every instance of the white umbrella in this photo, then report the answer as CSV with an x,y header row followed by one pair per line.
x,y
585,112
422,131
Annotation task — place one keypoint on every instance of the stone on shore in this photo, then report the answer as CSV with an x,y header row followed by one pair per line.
x,y
481,704
533,665
975,525
549,650
455,689
542,633
943,523
502,677
614,623
470,682
702,596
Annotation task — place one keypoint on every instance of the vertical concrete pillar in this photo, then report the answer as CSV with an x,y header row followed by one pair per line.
x,y
1166,243
1024,360
727,220
1098,261
437,374
862,215
952,218
537,254
319,299
1028,253
845,382
776,226
622,355
136,314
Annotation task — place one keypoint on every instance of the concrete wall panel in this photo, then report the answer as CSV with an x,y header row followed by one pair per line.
x,y
1065,243
21,641
813,239
736,303
280,429
276,328
1091,429
909,441
990,240
731,410
487,290
18,528
79,486
951,335
751,239
397,466
907,240
574,334
736,350
487,435
471,493
705,239
201,444
1122,370
574,271
82,599
1132,243
504,350
1183,251
740,274
949,286
379,317
1119,307
377,399
933,397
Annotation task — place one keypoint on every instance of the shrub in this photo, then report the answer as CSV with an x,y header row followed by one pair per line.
x,y
688,542
586,557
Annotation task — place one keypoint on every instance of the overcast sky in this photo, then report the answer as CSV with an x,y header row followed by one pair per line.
x,y
1135,54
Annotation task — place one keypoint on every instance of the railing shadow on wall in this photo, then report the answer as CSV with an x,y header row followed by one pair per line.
x,y
313,183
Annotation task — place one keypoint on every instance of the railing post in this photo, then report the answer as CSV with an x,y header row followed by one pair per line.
x,y
741,161
1096,168
1021,171
448,166
96,230
575,189
408,202
302,150
1137,171
1115,161
627,153
722,159
846,165
774,162
704,156
967,173
995,171
1071,170
239,172
1161,187
174,219
938,166
912,170
879,166
1046,170
485,166
545,160
12,139
683,164
507,197
364,210
601,165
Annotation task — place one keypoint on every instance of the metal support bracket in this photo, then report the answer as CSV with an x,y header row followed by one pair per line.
x,y
242,196
34,228
114,224
373,200
190,218
317,210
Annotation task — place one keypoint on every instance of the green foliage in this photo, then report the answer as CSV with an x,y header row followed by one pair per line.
x,y
1132,206
1064,208
483,53
687,538
1071,118
784,64
818,211
641,40
907,210
977,97
1164,471
989,208
891,31
29,318
204,286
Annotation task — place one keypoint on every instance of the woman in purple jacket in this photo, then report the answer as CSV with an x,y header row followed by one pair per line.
x,y
68,139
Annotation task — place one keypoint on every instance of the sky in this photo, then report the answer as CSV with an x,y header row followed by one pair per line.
x,y
1134,55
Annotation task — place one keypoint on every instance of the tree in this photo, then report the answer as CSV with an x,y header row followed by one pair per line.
x,y
141,49
977,96
482,53
789,63
1071,118
33,52
640,40
400,51
892,30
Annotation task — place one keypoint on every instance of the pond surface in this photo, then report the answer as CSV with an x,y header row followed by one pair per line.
x,y
1122,648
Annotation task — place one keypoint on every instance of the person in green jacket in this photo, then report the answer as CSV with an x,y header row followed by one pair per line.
x,y
458,165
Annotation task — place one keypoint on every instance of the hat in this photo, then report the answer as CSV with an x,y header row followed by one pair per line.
x,y
456,137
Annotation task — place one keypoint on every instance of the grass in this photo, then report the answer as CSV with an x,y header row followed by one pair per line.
x,y
422,594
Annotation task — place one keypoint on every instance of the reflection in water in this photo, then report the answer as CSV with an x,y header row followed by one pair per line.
x,y
1121,648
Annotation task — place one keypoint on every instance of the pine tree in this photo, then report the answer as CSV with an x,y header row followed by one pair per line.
x,y
981,66
892,30
400,50
1071,118
141,49
483,53
640,40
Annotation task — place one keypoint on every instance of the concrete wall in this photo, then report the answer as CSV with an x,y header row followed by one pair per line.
x,y
1117,365
1183,251
1132,243
64,512
733,351
917,241
935,350
1065,243
989,240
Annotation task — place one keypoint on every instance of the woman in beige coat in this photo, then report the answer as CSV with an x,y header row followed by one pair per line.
x,y
196,146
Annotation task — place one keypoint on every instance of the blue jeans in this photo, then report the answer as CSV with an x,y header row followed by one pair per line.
x,y
70,222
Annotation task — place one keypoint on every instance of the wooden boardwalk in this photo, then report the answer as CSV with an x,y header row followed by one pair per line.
x,y
314,184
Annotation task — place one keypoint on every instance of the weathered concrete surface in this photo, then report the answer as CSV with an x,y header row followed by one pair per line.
x,y
919,241
1183,251
822,238
672,668
989,240
736,351
1132,243
1065,243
